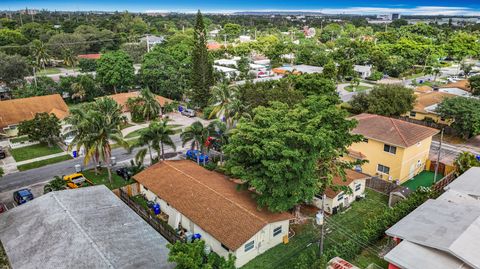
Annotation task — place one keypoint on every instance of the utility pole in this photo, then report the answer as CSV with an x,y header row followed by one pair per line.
x,y
438,156
322,236
148,44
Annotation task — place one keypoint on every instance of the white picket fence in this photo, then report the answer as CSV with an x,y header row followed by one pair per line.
x,y
22,144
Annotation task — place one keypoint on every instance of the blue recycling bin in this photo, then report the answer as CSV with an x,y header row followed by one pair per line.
x,y
478,158
180,108
74,153
156,209
197,236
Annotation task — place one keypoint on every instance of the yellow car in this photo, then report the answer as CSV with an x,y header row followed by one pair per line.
x,y
76,178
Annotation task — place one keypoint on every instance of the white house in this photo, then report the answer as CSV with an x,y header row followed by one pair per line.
x,y
197,200
152,40
364,71
227,71
339,198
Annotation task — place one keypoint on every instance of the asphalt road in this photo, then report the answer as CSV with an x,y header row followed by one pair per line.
x,y
34,176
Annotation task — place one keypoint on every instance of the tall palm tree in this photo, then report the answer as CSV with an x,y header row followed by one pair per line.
x,y
236,110
150,107
40,53
222,95
69,59
195,134
78,91
219,131
100,125
157,135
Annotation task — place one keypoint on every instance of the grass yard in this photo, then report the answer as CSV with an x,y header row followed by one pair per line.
x,y
302,248
19,139
424,179
367,257
34,151
48,71
102,178
42,163
359,88
414,76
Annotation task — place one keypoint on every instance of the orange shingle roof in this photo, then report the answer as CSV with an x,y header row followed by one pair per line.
x,y
429,99
423,89
95,56
350,176
461,84
391,131
18,110
122,98
208,199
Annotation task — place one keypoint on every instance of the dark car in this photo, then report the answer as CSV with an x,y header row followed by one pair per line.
x,y
3,155
22,196
124,172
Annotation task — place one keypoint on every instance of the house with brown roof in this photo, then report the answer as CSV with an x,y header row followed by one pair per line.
x,y
339,196
122,98
14,111
396,150
204,202
426,104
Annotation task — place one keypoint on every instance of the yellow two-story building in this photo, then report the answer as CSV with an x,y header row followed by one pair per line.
x,y
396,150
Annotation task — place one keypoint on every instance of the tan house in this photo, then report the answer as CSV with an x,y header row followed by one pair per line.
x,y
14,111
339,198
197,200
122,98
396,150
426,104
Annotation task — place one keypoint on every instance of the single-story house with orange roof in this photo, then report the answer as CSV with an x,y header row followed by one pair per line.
x,y
425,106
93,56
336,198
13,112
199,201
297,69
122,98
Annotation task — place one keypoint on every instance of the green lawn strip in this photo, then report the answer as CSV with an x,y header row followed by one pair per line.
x,y
19,139
359,88
102,178
42,163
342,226
414,76
34,151
48,71
424,179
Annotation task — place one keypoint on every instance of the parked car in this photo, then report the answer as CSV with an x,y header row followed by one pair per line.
x,y
3,154
195,155
22,196
188,112
74,180
124,172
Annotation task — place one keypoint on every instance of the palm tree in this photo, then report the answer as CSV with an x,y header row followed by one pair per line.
x,y
196,134
69,59
78,91
97,127
57,184
222,95
236,110
219,131
465,161
150,107
40,53
157,135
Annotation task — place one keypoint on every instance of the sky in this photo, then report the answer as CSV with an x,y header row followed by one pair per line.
x,y
417,7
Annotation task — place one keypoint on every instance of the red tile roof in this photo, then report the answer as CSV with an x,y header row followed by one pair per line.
x,y
122,98
350,176
209,199
392,131
95,56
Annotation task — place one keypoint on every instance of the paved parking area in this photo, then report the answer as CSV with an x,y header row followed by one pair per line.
x,y
6,198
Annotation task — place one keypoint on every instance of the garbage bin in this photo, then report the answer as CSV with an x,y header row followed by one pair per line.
x,y
156,209
74,154
78,168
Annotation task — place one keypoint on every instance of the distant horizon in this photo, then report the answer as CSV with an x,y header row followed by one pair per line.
x,y
368,7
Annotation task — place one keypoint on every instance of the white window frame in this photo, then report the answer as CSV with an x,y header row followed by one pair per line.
x,y
277,231
249,246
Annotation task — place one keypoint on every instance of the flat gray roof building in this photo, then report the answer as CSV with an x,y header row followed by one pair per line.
x,y
81,228
442,233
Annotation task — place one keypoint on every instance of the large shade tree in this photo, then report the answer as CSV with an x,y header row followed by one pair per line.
x,y
288,154
115,70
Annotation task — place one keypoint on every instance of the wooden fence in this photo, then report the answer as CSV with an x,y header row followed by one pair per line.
x,y
380,185
444,182
162,227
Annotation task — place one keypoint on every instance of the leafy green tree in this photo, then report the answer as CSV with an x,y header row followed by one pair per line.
x,y
87,65
345,69
232,30
288,154
13,68
193,256
474,83
60,43
202,69
330,70
314,84
136,51
40,86
466,68
243,67
465,161
386,100
44,128
115,70
15,39
80,88
56,184
465,113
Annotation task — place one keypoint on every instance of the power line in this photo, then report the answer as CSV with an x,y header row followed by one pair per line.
x,y
355,239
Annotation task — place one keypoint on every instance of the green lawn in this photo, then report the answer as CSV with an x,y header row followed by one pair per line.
x,y
137,132
414,76
425,179
367,257
34,151
102,178
38,164
359,88
19,139
48,71
302,247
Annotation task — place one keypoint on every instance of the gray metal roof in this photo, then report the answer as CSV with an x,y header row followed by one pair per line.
x,y
443,225
407,255
81,228
467,183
